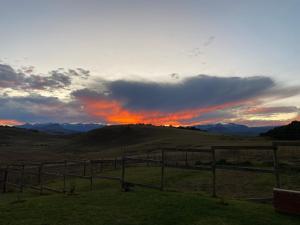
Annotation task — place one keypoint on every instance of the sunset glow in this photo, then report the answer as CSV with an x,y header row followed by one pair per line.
x,y
160,62
114,113
10,122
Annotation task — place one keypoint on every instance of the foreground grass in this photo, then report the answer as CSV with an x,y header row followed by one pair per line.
x,y
230,184
107,205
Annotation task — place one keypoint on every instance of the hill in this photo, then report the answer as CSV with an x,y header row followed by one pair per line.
x,y
234,129
12,134
24,144
139,138
288,132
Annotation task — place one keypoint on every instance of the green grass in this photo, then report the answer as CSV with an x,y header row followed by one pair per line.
x,y
230,184
107,205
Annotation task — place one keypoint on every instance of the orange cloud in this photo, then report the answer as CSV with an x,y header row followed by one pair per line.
x,y
10,122
113,112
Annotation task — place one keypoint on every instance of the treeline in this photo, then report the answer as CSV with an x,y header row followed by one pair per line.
x,y
288,132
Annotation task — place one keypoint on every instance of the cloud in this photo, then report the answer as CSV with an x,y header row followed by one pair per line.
x,y
192,100
37,108
209,41
272,110
79,72
9,77
25,79
194,92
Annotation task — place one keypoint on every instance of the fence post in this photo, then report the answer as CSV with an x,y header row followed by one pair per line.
x,y
276,167
162,181
22,178
123,173
5,180
39,174
64,175
41,178
148,157
213,167
92,173
186,158
115,163
101,165
84,168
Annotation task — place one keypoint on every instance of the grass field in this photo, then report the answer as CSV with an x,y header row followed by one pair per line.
x,y
230,184
18,144
186,199
107,205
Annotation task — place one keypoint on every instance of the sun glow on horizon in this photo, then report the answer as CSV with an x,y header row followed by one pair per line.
x,y
113,112
10,122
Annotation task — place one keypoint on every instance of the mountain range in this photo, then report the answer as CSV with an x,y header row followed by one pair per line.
x,y
61,128
234,129
220,128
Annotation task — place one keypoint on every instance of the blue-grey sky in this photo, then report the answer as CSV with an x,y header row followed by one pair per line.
x,y
150,41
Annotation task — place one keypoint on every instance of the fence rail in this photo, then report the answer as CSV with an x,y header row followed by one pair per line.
x,y
90,167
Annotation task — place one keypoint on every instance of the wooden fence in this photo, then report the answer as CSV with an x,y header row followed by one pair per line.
x,y
92,169
62,172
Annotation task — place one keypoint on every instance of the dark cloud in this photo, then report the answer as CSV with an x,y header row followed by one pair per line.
x,y
199,91
37,108
79,72
191,101
87,93
54,81
186,101
9,77
26,80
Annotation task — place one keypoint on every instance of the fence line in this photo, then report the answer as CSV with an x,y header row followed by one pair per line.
x,y
125,161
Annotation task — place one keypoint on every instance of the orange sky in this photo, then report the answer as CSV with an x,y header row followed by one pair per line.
x,y
113,112
10,122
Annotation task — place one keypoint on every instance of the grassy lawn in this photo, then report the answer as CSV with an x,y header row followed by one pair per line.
x,y
230,184
107,205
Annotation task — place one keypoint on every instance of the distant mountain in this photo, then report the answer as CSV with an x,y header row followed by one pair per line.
x,y
64,128
288,132
234,129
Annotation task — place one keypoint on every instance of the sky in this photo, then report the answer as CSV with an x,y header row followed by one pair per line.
x,y
161,62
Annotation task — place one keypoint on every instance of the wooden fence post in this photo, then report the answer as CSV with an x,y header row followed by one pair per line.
x,y
213,167
41,178
162,180
64,175
115,163
39,174
148,157
22,178
92,173
101,165
123,172
84,168
5,180
276,166
186,158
